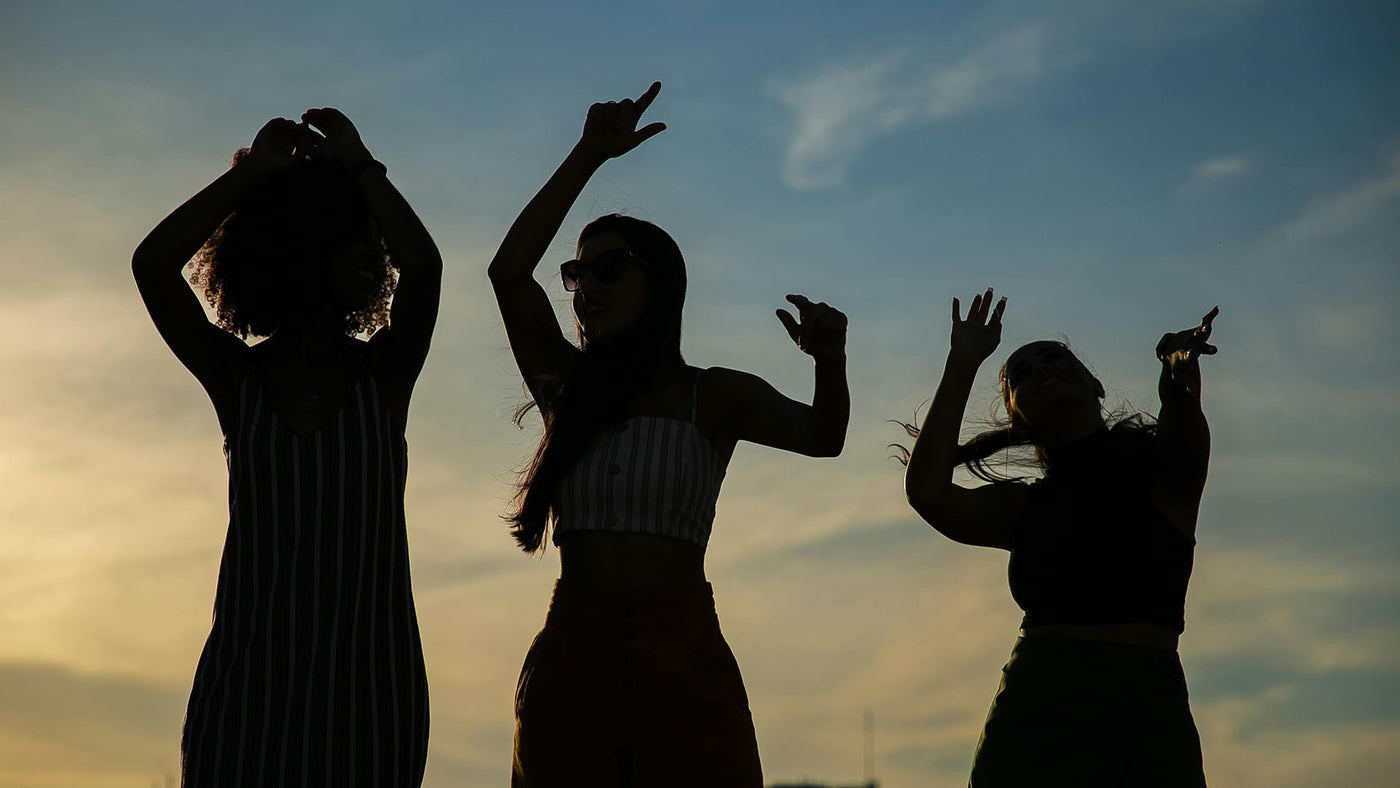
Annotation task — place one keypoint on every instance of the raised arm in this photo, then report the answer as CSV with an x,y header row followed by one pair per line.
x,y
213,355
1183,436
757,412
411,248
539,346
978,516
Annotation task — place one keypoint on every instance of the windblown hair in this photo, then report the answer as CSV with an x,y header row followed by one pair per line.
x,y
607,378
270,259
1006,436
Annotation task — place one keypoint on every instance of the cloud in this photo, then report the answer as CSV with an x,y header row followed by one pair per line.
x,y
1344,209
1222,167
1356,330
840,110
1214,171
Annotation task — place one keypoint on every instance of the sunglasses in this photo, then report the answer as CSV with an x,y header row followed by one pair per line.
x,y
606,268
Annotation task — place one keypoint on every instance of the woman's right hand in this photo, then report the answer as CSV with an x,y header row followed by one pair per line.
x,y
279,144
611,127
976,338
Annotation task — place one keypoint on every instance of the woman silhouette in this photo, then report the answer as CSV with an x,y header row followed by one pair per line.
x,y
313,671
630,681
1101,551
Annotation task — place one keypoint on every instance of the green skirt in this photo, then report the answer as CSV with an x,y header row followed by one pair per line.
x,y
1089,713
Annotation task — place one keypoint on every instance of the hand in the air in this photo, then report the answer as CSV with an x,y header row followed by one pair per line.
x,y
819,329
1178,346
975,339
611,127
280,143
338,141
1180,351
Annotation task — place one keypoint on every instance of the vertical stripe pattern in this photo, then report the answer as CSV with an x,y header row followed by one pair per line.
x,y
648,474
313,673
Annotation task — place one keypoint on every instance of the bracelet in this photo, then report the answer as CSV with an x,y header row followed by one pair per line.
x,y
371,162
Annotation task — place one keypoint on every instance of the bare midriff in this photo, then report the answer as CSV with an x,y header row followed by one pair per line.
x,y
602,558
1153,635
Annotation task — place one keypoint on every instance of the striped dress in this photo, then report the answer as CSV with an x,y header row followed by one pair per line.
x,y
313,671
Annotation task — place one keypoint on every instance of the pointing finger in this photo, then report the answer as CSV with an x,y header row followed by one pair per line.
x,y
789,322
957,316
799,301
644,100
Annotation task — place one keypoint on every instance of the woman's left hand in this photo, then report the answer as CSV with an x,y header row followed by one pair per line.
x,y
1176,347
340,141
1179,351
819,329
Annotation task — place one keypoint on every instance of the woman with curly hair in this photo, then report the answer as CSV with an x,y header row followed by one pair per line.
x,y
630,682
313,670
1101,551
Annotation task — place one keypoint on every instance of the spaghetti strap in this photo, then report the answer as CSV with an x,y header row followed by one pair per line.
x,y
695,395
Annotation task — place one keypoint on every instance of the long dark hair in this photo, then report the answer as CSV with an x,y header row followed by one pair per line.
x,y
1006,434
596,393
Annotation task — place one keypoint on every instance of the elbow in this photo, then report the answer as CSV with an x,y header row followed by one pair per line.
x,y
500,272
830,448
921,500
428,263
143,264
931,502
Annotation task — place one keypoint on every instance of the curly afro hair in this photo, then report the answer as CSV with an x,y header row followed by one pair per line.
x,y
270,259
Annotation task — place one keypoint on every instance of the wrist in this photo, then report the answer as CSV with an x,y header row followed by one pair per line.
x,y
367,164
586,156
962,362
258,166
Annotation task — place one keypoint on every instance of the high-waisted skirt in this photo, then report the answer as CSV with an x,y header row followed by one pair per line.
x,y
1082,712
632,687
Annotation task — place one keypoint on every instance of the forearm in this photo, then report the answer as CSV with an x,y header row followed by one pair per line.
x,y
831,405
934,456
179,236
1182,430
410,245
529,237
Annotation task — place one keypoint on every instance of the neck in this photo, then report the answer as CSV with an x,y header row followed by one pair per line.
x,y
317,335
1068,431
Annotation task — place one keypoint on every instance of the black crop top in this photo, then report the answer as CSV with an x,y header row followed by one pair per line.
x,y
1091,547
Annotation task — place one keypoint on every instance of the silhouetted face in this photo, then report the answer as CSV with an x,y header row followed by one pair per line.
x,y
354,273
608,309
1045,382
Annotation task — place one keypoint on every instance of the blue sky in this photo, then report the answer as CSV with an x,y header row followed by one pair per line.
x,y
1115,169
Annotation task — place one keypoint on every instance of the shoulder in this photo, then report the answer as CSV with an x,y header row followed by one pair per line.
x,y
723,381
1135,448
724,389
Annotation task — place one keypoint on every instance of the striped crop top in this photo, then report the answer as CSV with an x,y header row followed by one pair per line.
x,y
647,474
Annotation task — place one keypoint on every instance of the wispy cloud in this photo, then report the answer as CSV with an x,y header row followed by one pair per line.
x,y
1345,208
840,110
1222,167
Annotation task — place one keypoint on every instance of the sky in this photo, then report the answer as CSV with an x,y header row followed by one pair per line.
x,y
1115,169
